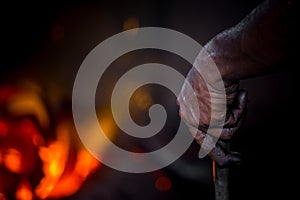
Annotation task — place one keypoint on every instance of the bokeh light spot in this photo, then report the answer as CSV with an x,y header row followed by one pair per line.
x,y
163,183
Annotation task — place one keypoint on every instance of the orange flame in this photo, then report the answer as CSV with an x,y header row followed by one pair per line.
x,y
54,160
65,163
12,160
60,179
24,191
73,180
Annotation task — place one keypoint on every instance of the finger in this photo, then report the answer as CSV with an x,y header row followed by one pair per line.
x,y
225,133
237,109
185,112
233,115
223,158
216,152
228,133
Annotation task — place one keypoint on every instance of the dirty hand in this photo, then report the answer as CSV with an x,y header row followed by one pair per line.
x,y
196,102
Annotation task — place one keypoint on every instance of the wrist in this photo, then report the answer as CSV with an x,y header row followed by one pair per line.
x,y
230,58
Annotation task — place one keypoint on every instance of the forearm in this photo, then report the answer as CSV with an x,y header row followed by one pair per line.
x,y
256,45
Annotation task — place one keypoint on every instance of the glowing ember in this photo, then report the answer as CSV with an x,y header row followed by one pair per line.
x,y
28,127
63,177
24,191
55,161
29,103
71,181
12,160
56,184
2,196
130,23
3,128
85,164
163,183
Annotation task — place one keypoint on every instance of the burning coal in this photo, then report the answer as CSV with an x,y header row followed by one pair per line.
x,y
40,155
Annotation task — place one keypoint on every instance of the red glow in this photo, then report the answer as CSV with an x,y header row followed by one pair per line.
x,y
137,158
6,92
3,128
163,183
2,197
27,127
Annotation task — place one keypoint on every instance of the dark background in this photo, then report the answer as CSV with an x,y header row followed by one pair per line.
x,y
46,41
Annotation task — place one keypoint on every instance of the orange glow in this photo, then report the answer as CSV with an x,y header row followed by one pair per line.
x,y
3,128
143,99
55,168
73,180
29,103
131,23
214,170
65,187
13,160
63,177
54,159
24,191
65,163
163,183
56,185
108,128
85,164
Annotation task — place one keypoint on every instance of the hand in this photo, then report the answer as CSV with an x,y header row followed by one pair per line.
x,y
198,120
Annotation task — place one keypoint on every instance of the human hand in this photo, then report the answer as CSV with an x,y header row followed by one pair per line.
x,y
198,114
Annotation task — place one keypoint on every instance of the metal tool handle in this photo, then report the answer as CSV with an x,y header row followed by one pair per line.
x,y
221,176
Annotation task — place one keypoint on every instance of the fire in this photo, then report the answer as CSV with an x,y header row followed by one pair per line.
x,y
57,182
62,176
72,181
163,183
85,164
12,160
24,191
53,158
65,163
29,103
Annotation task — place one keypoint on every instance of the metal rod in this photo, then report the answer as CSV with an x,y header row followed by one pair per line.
x,y
221,178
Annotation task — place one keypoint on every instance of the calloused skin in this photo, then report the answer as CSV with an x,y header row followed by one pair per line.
x,y
236,100
256,46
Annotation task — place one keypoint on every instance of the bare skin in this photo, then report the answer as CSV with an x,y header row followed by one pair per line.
x,y
254,47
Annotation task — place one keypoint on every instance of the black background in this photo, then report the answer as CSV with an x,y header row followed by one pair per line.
x,y
30,48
